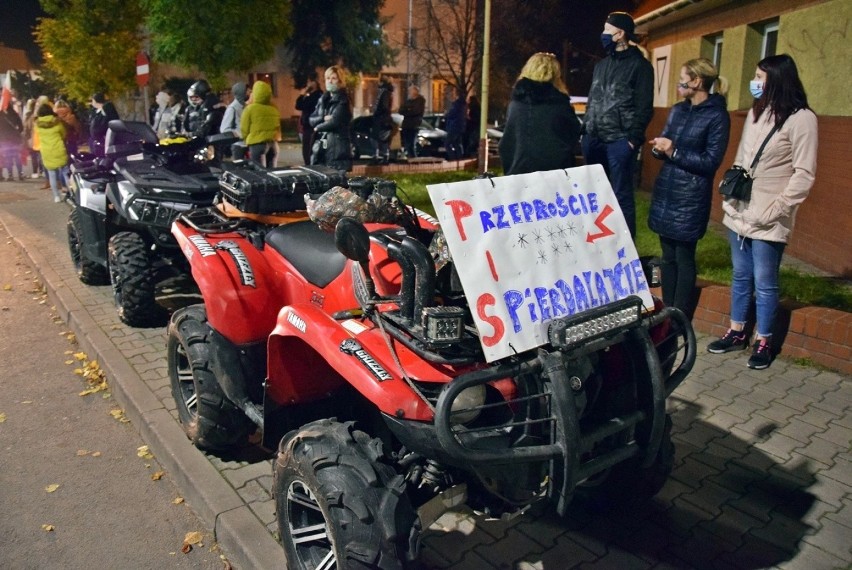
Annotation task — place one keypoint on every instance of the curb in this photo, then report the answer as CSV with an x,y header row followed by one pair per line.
x,y
244,538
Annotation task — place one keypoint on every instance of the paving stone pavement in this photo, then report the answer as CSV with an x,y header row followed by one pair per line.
x,y
763,475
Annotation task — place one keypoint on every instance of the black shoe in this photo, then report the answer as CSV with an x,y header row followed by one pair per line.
x,y
733,340
761,355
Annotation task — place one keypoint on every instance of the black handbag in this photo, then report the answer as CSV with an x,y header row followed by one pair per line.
x,y
736,182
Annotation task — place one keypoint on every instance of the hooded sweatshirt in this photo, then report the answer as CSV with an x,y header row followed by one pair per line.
x,y
234,112
51,134
261,121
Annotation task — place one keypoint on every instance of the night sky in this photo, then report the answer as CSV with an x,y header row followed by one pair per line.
x,y
17,20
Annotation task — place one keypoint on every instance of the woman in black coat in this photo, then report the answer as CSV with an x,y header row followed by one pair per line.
x,y
330,121
692,146
542,130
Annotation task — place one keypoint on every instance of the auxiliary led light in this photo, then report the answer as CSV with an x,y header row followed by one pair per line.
x,y
596,323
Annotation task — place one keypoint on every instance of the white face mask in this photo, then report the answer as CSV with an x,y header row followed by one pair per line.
x,y
756,88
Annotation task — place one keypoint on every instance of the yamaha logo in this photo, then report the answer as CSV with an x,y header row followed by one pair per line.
x,y
204,247
297,322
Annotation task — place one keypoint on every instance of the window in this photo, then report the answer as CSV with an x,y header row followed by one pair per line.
x,y
718,42
770,39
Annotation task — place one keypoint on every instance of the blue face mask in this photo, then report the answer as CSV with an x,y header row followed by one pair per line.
x,y
608,43
756,88
331,87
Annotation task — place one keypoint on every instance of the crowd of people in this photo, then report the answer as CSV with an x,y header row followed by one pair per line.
x,y
777,148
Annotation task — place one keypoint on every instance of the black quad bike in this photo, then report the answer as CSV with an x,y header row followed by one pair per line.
x,y
360,363
123,205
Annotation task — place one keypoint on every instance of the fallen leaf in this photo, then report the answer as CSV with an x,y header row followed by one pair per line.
x,y
177,501
193,537
69,362
51,488
81,452
157,475
47,527
2,417
7,287
27,402
144,452
186,548
71,337
80,355
119,415
67,351
96,454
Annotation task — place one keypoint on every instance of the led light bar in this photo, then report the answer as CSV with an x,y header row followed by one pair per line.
x,y
595,323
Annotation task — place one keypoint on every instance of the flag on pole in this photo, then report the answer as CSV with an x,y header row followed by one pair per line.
x,y
6,97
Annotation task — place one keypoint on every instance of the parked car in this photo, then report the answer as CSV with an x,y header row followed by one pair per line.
x,y
430,138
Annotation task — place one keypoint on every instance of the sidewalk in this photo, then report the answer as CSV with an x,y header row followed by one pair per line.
x,y
763,475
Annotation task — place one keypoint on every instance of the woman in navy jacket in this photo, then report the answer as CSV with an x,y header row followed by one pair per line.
x,y
692,146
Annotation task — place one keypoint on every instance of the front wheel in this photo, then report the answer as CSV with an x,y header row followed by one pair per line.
x,y
338,505
208,418
627,484
133,283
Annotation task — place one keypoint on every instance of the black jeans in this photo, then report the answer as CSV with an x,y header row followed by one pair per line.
x,y
678,273
618,160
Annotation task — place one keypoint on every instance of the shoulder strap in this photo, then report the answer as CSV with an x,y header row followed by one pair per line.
x,y
760,150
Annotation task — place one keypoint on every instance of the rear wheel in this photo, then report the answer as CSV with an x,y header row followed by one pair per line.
x,y
209,419
133,283
89,271
338,505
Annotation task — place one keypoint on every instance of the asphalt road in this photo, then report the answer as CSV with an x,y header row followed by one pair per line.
x,y
106,510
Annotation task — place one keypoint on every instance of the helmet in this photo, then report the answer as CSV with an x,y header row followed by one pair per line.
x,y
198,89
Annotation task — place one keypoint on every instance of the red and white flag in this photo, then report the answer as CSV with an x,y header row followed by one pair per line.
x,y
6,98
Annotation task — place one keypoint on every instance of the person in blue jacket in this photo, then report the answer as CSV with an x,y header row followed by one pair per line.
x,y
692,146
455,122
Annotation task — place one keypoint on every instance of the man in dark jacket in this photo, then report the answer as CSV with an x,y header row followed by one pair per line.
x,y
103,112
382,122
306,103
620,107
412,115
455,122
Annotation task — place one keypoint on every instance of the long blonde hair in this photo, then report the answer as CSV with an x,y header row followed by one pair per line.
x,y
544,68
704,68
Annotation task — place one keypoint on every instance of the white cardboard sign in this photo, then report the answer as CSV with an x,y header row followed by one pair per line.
x,y
533,247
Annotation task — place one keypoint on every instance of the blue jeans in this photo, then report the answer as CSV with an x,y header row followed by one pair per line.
x,y
756,263
54,176
618,160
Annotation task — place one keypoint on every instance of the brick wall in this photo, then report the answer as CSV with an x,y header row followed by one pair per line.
x,y
823,231
822,335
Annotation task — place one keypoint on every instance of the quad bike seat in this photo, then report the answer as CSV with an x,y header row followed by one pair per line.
x,y
309,249
126,137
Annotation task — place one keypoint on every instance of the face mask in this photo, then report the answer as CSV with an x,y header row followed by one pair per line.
x,y
331,87
756,88
607,43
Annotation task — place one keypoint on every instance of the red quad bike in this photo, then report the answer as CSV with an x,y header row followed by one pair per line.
x,y
361,363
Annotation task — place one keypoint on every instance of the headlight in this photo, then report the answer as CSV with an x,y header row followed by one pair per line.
x,y
465,407
443,324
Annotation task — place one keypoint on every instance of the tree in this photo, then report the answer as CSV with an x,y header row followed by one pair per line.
x,y
90,46
337,32
218,37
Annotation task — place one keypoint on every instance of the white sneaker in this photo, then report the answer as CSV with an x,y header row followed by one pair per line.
x,y
57,199
34,176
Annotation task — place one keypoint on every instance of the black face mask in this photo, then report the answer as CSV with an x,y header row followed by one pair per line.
x,y
608,43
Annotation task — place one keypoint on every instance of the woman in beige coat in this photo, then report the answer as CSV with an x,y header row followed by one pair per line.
x,y
758,229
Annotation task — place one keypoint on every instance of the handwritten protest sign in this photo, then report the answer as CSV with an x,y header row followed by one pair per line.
x,y
533,247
